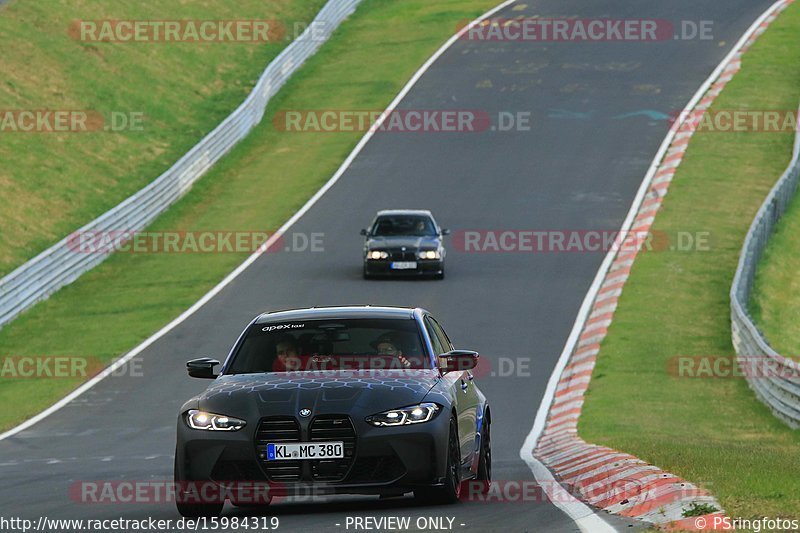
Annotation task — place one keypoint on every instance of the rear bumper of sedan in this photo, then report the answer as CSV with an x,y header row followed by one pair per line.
x,y
379,460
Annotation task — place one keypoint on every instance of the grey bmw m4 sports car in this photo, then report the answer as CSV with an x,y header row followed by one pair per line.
x,y
335,400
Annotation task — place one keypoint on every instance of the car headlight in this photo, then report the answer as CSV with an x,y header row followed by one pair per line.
x,y
414,414
209,421
377,254
430,254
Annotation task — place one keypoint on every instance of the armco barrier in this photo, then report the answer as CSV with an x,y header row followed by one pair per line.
x,y
780,387
59,265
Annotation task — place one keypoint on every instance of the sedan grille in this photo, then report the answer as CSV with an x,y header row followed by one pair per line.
x,y
283,429
330,428
399,255
333,428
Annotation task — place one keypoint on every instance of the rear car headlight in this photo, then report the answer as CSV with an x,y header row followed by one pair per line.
x,y
414,414
377,254
430,254
209,421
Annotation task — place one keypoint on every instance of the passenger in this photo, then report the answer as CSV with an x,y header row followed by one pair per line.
x,y
286,356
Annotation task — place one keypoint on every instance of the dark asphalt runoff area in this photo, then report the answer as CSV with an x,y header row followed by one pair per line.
x,y
596,112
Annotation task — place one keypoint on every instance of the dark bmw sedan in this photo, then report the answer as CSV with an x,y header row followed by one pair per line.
x,y
353,400
404,242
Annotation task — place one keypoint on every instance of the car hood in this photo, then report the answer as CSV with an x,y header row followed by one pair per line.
x,y
408,242
358,392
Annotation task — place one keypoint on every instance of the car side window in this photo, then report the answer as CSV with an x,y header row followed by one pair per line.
x,y
443,338
438,348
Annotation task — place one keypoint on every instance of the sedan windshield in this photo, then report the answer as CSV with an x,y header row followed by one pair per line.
x,y
399,225
348,344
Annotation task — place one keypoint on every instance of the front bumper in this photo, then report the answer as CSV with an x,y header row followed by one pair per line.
x,y
384,460
383,267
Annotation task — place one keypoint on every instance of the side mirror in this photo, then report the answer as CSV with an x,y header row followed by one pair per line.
x,y
445,232
458,360
364,232
202,368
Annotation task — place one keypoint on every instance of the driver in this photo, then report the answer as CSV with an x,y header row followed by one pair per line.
x,y
286,358
388,344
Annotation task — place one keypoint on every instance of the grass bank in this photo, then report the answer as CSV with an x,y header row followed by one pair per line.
x,y
176,91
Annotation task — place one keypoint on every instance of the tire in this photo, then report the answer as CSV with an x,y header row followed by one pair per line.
x,y
193,510
485,461
440,275
450,492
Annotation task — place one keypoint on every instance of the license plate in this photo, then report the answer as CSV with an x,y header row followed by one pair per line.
x,y
305,450
404,265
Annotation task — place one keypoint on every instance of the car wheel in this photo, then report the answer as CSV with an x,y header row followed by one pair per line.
x,y
450,492
193,510
485,461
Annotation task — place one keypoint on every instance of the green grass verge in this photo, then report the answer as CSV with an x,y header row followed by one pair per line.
x,y
182,89
364,66
710,431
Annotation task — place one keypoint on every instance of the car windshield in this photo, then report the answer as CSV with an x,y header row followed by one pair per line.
x,y
398,225
347,344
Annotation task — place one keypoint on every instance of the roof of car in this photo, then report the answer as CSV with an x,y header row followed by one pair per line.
x,y
361,311
404,212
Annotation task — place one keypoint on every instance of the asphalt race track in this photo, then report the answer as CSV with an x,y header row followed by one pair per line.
x,y
597,112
